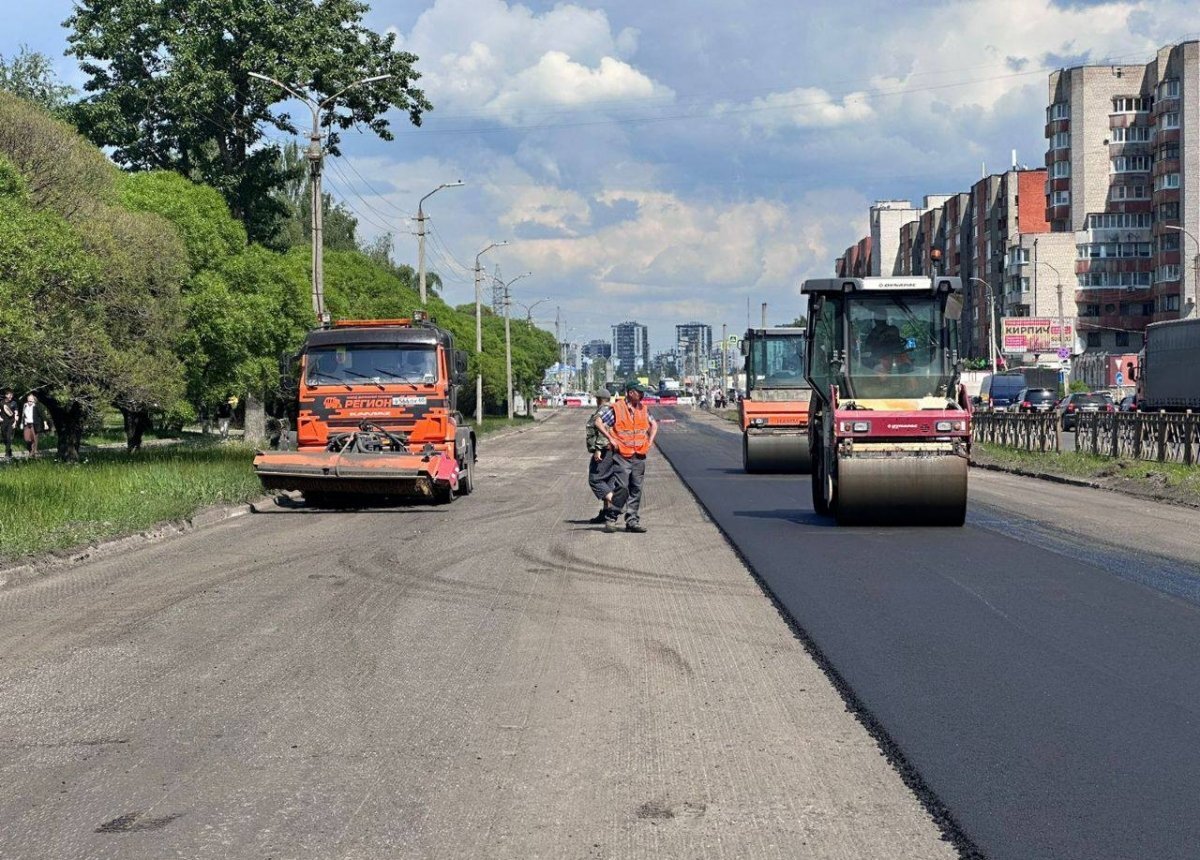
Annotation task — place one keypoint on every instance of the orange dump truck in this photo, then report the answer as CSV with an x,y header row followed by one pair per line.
x,y
377,415
774,412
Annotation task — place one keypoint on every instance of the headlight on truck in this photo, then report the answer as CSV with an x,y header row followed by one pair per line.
x,y
949,426
856,426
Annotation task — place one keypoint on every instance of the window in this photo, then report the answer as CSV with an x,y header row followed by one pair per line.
x,y
1168,211
1167,180
1018,256
350,364
1060,170
1132,134
1168,242
1093,339
1131,164
1060,140
1129,192
1168,151
1063,198
1168,89
1113,250
1122,338
1119,220
1132,104
1147,309
1091,310
1169,120
1166,273
1170,303
1059,110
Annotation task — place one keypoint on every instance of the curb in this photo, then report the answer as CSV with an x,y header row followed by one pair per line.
x,y
60,560
1090,485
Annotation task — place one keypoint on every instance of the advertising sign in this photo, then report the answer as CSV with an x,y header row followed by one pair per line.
x,y
1035,334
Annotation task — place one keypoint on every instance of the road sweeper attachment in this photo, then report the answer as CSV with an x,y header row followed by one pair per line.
x,y
890,424
376,416
774,412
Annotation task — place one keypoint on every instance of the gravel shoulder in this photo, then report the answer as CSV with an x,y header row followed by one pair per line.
x,y
489,679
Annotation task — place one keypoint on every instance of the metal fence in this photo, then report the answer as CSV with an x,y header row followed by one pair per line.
x,y
1036,431
1168,437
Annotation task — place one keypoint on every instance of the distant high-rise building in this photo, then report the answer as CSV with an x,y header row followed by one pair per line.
x,y
695,344
631,347
598,349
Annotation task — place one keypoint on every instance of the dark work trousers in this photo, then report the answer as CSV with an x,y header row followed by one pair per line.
x,y
627,475
600,474
8,432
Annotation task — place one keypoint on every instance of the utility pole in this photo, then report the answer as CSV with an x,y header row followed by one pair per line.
x,y
479,335
991,300
316,157
558,341
508,339
764,314
724,361
458,183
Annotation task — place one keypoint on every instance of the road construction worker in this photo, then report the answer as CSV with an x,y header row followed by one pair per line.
x,y
630,429
600,458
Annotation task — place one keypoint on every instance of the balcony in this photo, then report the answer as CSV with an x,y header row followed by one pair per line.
x,y
1054,126
1114,265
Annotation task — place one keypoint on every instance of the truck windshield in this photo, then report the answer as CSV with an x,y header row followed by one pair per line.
x,y
898,346
347,365
777,361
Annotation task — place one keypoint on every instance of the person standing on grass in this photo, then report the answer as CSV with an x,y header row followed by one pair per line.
x,y
631,430
10,417
224,417
600,454
33,422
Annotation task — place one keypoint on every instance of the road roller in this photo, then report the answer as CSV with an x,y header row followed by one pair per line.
x,y
774,412
890,422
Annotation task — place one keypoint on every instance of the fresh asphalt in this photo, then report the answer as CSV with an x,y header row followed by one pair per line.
x,y
1041,693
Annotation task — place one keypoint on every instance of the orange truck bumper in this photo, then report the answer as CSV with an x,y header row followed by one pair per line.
x,y
385,474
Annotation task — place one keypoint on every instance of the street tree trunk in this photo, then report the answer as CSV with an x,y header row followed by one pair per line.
x,y
69,418
137,422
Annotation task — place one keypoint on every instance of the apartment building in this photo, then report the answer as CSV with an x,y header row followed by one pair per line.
x,y
856,261
598,349
631,347
1124,178
887,219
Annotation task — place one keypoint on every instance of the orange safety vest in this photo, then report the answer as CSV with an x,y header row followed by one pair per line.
x,y
632,429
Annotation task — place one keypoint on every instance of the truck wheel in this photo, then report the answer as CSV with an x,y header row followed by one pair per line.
x,y
818,480
442,494
466,475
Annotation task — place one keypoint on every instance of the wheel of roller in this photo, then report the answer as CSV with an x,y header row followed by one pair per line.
x,y
818,485
902,491
778,454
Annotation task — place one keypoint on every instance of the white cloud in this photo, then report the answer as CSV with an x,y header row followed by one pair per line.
x,y
504,62
803,107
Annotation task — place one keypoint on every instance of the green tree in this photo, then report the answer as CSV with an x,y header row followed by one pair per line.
x,y
169,87
30,75
339,228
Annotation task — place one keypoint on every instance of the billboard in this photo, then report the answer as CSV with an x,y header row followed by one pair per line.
x,y
1035,334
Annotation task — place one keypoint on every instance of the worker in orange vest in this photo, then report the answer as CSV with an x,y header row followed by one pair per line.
x,y
631,431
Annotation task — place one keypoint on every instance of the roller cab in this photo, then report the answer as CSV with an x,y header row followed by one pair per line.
x,y
376,415
890,425
774,412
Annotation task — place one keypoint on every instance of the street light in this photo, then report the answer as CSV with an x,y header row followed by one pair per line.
x,y
508,340
529,308
1062,327
458,183
316,155
991,321
1188,305
479,335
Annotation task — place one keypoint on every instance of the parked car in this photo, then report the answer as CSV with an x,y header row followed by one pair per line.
x,y
1108,397
1128,403
1070,406
1035,400
998,390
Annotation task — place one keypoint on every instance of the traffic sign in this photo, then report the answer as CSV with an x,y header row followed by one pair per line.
x,y
1064,352
1120,378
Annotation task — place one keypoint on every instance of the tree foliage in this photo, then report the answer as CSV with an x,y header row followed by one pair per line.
x,y
30,75
169,87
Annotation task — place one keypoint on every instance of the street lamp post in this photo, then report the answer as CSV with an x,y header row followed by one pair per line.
x,y
1062,328
316,156
479,335
1187,306
529,309
458,183
991,321
508,340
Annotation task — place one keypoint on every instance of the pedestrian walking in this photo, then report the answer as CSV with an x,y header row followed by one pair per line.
x,y
10,417
33,423
600,461
630,430
225,416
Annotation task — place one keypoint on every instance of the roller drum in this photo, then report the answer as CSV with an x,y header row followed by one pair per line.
x,y
917,490
786,453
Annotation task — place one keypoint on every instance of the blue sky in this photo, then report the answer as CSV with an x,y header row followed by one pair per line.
x,y
667,161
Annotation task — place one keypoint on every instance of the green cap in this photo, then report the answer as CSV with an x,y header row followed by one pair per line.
x,y
634,385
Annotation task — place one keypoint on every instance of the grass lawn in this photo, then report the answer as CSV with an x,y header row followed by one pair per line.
x,y
492,423
1170,480
47,505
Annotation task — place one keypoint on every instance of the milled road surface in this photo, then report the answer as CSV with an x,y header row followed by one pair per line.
x,y
1037,668
488,679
